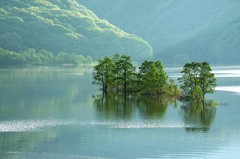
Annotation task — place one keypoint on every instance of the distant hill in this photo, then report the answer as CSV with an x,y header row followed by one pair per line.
x,y
64,26
179,30
219,45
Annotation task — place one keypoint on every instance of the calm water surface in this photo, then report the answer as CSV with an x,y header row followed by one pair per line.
x,y
56,113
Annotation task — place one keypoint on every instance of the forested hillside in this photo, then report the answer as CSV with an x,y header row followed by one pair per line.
x,y
63,26
179,30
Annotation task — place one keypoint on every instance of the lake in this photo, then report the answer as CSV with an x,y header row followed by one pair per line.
x,y
48,112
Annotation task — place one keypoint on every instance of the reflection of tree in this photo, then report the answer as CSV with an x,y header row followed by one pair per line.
x,y
198,115
113,106
151,107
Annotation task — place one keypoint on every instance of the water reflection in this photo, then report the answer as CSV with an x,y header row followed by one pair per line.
x,y
28,93
154,108
198,115
117,107
114,107
49,113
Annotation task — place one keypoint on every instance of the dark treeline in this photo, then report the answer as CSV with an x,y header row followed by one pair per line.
x,y
119,75
42,57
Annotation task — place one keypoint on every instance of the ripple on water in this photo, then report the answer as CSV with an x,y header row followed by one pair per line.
x,y
41,125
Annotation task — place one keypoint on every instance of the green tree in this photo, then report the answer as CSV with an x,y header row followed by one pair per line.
x,y
144,76
103,74
188,78
197,75
152,77
46,57
161,77
32,57
10,58
127,73
197,93
117,83
172,89
206,79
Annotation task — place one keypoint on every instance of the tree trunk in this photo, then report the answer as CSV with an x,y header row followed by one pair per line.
x,y
125,83
103,88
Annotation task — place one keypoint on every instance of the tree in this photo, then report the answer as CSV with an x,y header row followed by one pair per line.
x,y
144,76
152,77
188,79
103,74
117,83
206,79
115,75
127,73
172,89
161,77
197,75
197,93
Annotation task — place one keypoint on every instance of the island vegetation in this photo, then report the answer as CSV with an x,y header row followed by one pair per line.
x,y
118,75
197,80
42,57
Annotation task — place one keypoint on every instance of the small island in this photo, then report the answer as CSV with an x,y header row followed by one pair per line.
x,y
118,75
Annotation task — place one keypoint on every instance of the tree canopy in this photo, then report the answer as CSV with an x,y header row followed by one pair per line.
x,y
119,75
197,79
152,77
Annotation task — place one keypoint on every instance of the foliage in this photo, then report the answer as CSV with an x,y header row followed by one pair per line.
x,y
103,74
197,93
10,58
64,26
42,57
127,73
119,75
197,80
153,78
115,74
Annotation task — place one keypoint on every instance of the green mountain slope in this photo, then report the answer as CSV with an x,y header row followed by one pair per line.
x,y
64,26
178,30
